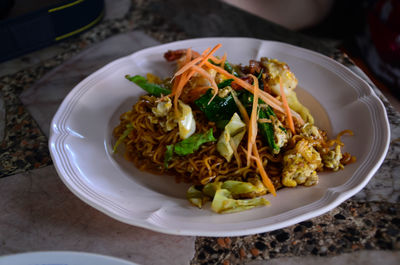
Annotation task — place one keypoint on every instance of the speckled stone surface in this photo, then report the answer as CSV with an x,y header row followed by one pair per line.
x,y
350,227
24,146
39,213
368,221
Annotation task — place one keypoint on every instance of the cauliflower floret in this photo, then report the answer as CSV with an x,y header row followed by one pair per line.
x,y
300,165
332,159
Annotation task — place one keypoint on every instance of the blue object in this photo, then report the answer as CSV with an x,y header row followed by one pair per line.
x,y
46,26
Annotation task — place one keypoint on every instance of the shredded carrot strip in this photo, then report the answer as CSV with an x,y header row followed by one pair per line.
x,y
252,131
205,59
204,73
216,60
264,121
185,75
223,60
252,151
177,90
286,106
264,176
188,65
241,108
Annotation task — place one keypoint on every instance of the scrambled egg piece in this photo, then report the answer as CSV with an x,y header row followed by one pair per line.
x,y
281,135
163,109
276,70
185,121
300,165
332,159
310,131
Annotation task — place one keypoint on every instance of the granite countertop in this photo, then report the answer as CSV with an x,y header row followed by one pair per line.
x,y
40,213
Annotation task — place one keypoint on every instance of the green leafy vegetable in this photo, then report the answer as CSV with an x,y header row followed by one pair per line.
x,y
228,67
219,109
266,129
151,88
193,143
168,155
187,146
225,83
125,134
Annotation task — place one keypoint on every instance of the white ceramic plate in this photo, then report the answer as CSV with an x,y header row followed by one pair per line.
x,y
61,258
81,143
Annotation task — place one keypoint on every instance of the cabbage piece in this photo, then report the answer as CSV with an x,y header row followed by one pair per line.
x,y
224,203
187,124
232,134
240,189
195,196
193,143
211,188
162,108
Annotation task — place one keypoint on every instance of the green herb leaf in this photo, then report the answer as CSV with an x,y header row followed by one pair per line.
x,y
193,143
151,88
266,129
125,134
225,83
168,155
219,109
228,67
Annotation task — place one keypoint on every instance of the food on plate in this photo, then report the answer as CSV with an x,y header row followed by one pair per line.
x,y
235,132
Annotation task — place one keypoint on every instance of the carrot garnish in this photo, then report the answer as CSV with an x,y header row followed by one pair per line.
x,y
241,108
185,67
252,151
252,131
188,69
204,73
264,176
286,106
223,60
